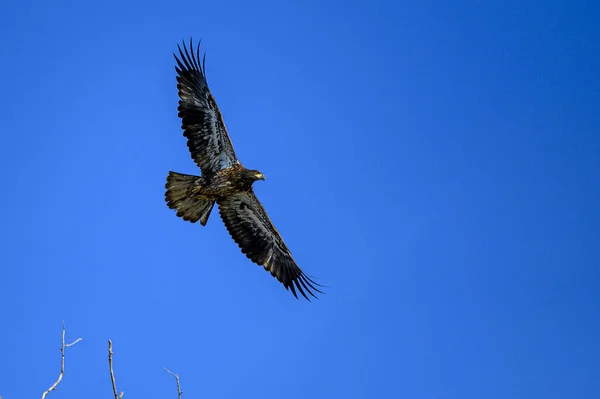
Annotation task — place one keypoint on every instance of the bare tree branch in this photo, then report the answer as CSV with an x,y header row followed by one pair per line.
x,y
62,364
112,373
179,393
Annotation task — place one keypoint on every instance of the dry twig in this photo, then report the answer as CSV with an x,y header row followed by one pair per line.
x,y
179,393
62,364
112,373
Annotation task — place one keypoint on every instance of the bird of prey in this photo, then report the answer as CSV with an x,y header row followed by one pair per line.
x,y
224,180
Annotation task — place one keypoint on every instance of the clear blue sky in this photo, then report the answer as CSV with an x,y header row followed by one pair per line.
x,y
435,164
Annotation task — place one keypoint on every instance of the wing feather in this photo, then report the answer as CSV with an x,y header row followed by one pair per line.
x,y
250,227
202,122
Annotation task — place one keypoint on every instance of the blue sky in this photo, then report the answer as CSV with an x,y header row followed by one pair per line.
x,y
435,164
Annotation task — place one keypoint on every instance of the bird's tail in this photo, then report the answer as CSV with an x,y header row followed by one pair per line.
x,y
179,196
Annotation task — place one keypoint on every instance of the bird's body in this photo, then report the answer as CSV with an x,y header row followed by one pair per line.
x,y
224,180
230,181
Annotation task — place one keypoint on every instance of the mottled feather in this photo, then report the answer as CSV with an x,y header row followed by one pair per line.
x,y
202,122
253,231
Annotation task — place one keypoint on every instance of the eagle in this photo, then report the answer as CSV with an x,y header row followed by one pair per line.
x,y
224,180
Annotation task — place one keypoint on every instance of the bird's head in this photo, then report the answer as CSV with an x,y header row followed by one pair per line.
x,y
256,175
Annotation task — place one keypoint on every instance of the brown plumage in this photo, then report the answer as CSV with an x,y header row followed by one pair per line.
x,y
224,180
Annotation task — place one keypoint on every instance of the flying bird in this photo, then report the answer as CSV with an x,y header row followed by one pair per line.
x,y
224,180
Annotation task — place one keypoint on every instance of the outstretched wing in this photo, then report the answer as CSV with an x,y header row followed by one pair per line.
x,y
203,125
251,228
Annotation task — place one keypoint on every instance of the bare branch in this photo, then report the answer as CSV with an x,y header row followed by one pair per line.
x,y
62,363
112,373
179,393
